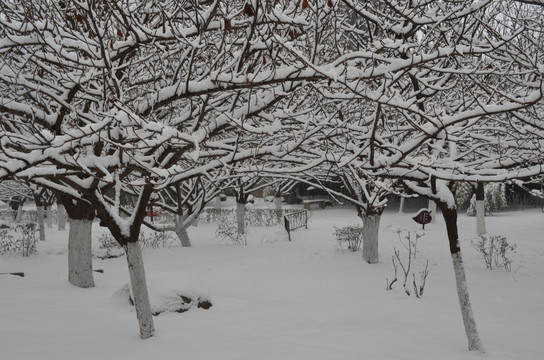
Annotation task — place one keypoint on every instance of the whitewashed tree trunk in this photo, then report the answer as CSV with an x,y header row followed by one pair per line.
x,y
480,217
474,342
277,201
218,202
432,208
49,217
371,227
181,231
80,265
61,216
19,213
41,224
241,218
279,205
450,218
480,208
138,284
401,206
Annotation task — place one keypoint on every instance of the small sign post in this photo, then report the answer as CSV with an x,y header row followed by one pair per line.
x,y
423,217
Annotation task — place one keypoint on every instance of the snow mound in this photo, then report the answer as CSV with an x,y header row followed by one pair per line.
x,y
173,292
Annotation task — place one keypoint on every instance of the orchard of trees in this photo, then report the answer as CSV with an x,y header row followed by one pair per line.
x,y
170,102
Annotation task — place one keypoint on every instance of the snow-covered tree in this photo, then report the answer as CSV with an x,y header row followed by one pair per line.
x,y
101,97
182,203
494,199
15,193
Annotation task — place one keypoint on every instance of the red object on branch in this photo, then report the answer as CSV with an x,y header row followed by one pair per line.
x,y
423,217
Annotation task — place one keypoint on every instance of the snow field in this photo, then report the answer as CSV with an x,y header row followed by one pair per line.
x,y
273,299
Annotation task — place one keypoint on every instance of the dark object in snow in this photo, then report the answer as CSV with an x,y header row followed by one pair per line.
x,y
423,217
4,226
21,274
181,304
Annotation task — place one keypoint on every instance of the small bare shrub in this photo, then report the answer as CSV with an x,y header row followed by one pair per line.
x,y
228,231
349,236
495,250
155,240
108,247
406,266
25,242
7,243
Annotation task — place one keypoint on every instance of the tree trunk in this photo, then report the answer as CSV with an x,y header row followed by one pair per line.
x,y
181,231
480,209
61,217
138,284
450,217
39,212
80,262
126,233
277,202
241,218
218,202
279,210
80,265
49,217
371,227
401,206
432,209
19,212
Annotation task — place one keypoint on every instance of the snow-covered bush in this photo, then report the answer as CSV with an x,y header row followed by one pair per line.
x,y
495,250
254,217
349,236
227,230
28,237
494,199
157,239
7,244
107,247
25,242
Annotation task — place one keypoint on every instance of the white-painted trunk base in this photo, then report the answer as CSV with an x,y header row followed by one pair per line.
x,y
371,227
49,213
474,342
61,217
19,213
217,202
80,264
432,209
277,202
181,232
241,218
401,206
139,289
279,209
41,224
180,228
480,217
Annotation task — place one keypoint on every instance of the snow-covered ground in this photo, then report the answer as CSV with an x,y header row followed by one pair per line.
x,y
274,299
